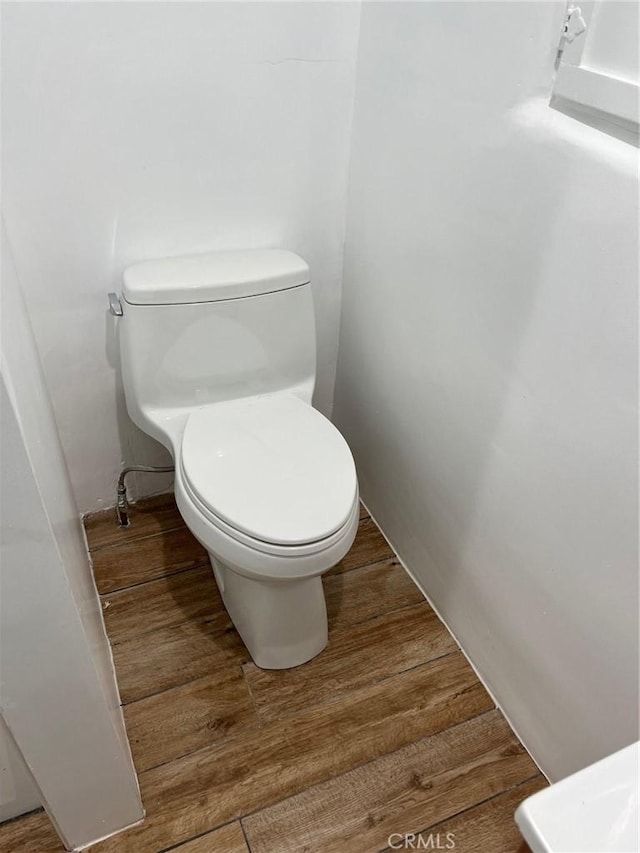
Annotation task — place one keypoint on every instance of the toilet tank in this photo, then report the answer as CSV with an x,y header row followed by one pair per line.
x,y
205,328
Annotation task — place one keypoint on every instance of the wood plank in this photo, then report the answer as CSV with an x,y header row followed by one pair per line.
x,y
490,826
30,834
417,786
147,559
179,721
369,546
227,839
355,657
166,658
361,594
190,595
192,795
148,517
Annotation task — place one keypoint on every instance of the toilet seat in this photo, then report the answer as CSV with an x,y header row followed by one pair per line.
x,y
289,554
270,471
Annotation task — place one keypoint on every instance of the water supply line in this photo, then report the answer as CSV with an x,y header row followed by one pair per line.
x,y
122,505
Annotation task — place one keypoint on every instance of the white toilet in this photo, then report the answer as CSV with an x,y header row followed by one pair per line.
x,y
218,362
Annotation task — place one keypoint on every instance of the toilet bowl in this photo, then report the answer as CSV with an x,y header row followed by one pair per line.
x,y
268,486
218,361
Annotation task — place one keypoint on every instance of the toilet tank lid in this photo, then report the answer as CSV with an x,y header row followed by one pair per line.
x,y
213,276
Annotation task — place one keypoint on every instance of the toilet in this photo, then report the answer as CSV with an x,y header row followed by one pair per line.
x,y
218,356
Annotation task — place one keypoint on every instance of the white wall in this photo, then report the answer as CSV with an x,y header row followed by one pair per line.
x,y
58,696
22,370
18,791
487,376
139,130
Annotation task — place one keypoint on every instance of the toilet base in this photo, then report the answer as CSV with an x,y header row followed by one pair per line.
x,y
282,623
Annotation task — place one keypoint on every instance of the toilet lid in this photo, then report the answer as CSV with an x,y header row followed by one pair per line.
x,y
272,467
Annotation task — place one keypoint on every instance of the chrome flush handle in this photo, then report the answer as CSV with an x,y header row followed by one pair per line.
x,y
115,306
